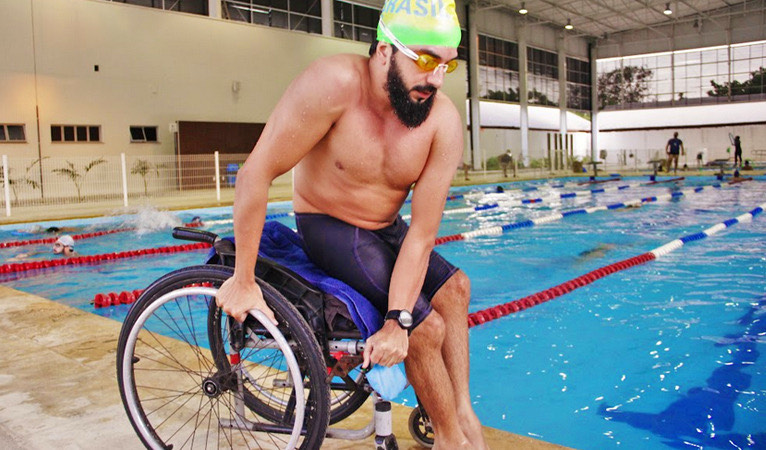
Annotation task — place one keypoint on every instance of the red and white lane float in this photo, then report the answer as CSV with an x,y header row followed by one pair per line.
x,y
127,297
495,312
98,259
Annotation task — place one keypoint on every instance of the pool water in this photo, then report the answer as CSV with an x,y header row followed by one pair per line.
x,y
663,355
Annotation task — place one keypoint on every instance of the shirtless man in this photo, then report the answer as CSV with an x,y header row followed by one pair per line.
x,y
360,132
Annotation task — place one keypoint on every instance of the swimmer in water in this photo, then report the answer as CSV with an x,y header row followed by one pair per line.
x,y
64,245
596,252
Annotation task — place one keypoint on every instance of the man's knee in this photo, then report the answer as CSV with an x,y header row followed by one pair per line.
x,y
430,332
461,288
454,294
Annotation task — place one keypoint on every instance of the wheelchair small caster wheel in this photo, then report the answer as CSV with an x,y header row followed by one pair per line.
x,y
420,427
386,442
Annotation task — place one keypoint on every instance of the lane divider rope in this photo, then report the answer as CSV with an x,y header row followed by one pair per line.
x,y
51,240
495,312
500,229
526,201
76,237
97,259
128,297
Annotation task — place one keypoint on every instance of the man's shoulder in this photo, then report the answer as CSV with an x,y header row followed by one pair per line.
x,y
445,111
341,69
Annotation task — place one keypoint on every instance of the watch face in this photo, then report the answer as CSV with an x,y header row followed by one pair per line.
x,y
405,318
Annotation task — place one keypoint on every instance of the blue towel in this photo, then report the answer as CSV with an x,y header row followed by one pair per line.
x,y
282,245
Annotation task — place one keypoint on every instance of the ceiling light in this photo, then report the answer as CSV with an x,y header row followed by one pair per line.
x,y
523,9
568,26
667,11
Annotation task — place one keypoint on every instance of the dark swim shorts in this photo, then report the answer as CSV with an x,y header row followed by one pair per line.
x,y
364,259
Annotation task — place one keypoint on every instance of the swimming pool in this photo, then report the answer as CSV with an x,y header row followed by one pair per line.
x,y
661,355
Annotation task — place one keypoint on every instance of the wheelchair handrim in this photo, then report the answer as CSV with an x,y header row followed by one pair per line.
x,y
130,345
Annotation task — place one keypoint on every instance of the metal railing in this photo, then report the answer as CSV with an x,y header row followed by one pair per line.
x,y
119,180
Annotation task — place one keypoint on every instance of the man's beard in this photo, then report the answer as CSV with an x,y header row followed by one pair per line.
x,y
411,113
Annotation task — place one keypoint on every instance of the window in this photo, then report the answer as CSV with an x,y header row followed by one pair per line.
x,y
542,77
75,133
295,15
188,6
355,22
498,69
12,133
578,84
684,77
143,134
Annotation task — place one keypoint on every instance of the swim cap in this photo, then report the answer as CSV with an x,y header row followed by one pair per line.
x,y
65,240
420,22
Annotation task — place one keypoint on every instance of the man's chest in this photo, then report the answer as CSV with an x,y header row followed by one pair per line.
x,y
363,146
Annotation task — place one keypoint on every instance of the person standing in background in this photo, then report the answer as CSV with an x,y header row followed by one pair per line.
x,y
737,152
673,148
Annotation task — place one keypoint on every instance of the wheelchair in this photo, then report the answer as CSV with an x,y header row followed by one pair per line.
x,y
192,377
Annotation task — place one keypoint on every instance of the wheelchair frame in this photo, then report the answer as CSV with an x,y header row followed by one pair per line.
x,y
232,386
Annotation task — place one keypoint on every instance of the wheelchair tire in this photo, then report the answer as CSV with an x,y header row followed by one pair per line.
x,y
177,391
347,396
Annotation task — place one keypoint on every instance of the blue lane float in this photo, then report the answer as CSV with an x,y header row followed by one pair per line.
x,y
500,229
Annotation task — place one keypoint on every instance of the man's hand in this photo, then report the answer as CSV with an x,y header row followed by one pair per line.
x,y
237,297
387,347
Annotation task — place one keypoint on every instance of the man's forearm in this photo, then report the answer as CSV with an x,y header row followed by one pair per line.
x,y
409,274
250,202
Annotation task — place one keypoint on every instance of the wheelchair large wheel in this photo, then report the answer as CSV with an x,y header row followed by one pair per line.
x,y
347,394
177,391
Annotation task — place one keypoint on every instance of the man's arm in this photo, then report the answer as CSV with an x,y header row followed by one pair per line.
x,y
389,345
304,114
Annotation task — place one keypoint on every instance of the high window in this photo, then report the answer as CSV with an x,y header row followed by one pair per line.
x,y
355,22
685,77
578,84
187,6
542,77
498,69
295,15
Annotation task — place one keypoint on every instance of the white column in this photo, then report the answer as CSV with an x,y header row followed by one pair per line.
x,y
593,53
6,187
473,77
217,177
562,66
214,8
328,18
523,101
124,180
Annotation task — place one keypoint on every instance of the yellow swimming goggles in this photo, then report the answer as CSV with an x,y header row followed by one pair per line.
x,y
425,61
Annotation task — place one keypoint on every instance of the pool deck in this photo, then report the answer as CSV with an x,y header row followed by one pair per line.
x,y
58,384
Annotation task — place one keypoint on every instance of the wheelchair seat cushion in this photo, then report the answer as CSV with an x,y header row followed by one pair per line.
x,y
281,244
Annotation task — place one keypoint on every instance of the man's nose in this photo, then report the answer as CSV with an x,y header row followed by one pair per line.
x,y
436,78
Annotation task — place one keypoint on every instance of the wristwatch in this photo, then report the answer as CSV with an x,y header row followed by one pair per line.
x,y
402,316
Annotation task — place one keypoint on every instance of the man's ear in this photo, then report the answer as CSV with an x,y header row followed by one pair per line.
x,y
383,51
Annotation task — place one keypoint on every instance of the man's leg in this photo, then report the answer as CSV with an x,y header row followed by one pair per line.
x,y
451,302
429,377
